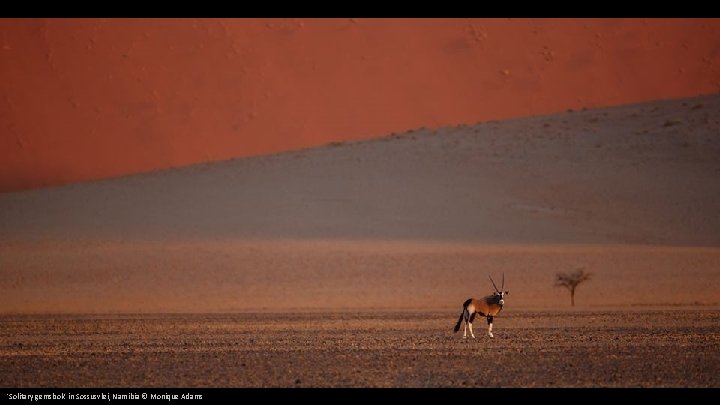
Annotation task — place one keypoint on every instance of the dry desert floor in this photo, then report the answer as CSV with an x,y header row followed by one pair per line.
x,y
635,347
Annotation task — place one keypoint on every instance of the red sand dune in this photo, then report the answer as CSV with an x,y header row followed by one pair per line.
x,y
86,99
416,220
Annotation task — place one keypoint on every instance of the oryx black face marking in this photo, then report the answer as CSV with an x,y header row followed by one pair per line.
x,y
488,306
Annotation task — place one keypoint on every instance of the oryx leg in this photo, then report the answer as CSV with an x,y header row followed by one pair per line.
x,y
472,318
465,320
490,321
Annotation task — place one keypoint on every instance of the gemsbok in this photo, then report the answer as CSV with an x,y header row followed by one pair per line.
x,y
488,307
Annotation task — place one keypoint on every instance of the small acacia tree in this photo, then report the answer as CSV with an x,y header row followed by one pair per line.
x,y
571,281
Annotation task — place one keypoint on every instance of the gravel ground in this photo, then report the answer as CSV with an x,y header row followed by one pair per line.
x,y
624,347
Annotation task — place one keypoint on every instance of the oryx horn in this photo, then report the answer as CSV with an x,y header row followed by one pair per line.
x,y
491,280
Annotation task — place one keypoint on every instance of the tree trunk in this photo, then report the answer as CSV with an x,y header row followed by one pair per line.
x,y
572,297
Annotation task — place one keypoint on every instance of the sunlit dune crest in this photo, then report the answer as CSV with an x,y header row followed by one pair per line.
x,y
95,98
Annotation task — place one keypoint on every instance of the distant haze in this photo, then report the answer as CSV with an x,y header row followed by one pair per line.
x,y
93,98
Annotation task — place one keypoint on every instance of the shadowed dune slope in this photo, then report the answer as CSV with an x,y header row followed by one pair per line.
x,y
645,173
